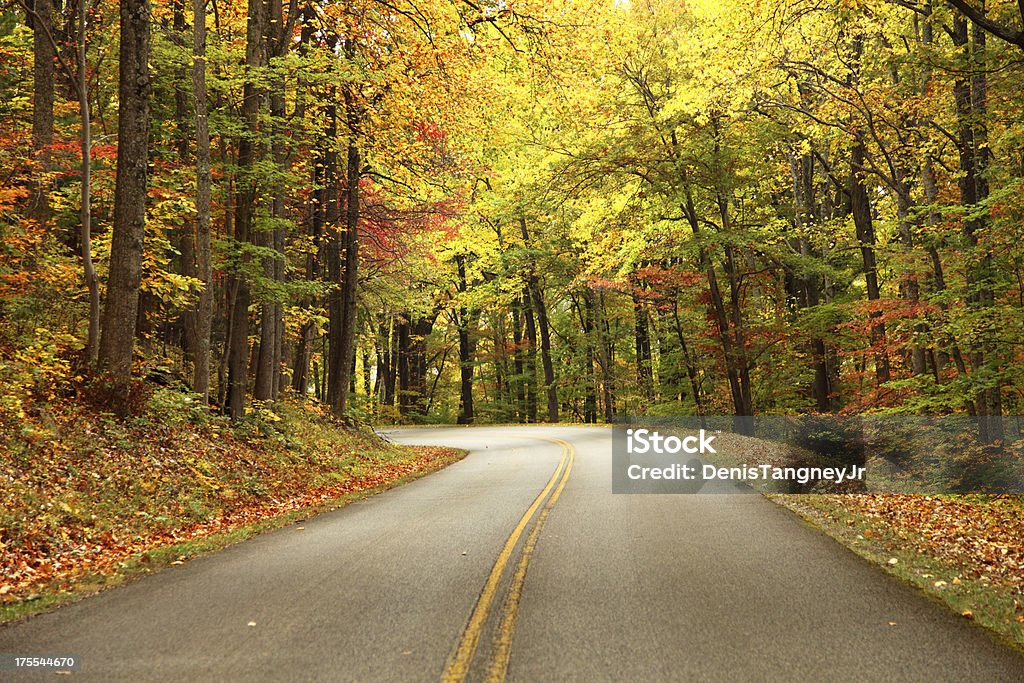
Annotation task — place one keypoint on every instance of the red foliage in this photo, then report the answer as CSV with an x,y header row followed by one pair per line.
x,y
384,227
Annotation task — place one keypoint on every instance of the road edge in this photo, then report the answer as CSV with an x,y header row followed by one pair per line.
x,y
917,571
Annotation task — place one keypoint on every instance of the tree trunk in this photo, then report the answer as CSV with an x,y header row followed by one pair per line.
x,y
300,366
134,88
642,338
531,360
807,289
544,325
44,54
604,358
860,207
195,242
387,362
412,363
466,349
245,209
909,288
183,118
735,361
970,95
537,297
518,364
92,280
268,367
691,366
324,159
503,393
402,353
343,312
367,378
589,333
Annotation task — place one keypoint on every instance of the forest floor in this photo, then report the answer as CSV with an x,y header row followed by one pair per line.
x,y
964,551
88,500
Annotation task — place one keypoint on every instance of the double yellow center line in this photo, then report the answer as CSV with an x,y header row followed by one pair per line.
x,y
459,664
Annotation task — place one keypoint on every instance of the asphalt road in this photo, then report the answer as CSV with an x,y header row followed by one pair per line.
x,y
519,562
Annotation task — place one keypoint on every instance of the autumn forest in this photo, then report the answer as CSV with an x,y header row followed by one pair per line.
x,y
238,235
516,212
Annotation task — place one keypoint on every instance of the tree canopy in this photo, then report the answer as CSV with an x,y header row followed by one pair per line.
x,y
517,211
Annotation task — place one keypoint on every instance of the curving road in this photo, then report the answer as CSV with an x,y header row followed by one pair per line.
x,y
519,563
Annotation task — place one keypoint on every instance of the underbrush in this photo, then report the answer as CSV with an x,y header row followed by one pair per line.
x,y
83,491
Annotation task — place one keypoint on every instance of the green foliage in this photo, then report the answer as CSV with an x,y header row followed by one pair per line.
x,y
33,374
174,406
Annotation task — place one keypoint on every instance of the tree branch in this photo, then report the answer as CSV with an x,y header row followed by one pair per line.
x,y
978,17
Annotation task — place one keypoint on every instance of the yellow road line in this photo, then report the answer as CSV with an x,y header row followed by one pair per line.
x,y
458,666
506,629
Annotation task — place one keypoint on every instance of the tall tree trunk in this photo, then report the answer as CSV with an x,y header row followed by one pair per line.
x,y
300,366
402,353
742,364
518,363
317,204
245,208
92,280
194,244
642,338
807,289
204,262
466,349
343,313
939,356
184,118
367,372
589,333
225,295
333,248
531,360
266,360
909,288
735,360
544,326
860,207
537,297
466,411
948,348
990,402
691,366
134,88
970,93
354,363
44,54
604,357
279,337
388,367
412,363
263,384
268,366
503,393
